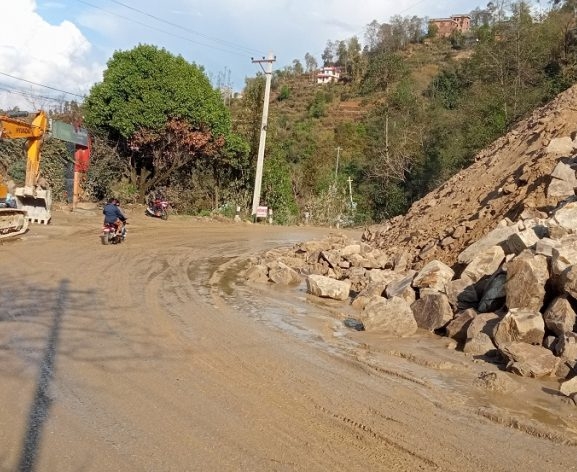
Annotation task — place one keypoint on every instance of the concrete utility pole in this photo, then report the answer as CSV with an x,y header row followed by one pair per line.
x,y
337,167
350,181
260,158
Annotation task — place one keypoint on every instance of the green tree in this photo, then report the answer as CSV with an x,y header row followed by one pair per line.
x,y
142,92
328,55
297,67
311,63
383,69
277,189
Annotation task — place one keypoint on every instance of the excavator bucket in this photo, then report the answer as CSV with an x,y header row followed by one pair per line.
x,y
36,202
13,222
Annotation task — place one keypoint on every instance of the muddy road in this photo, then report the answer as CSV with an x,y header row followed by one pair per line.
x,y
153,356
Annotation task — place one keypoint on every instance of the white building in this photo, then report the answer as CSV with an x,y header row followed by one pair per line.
x,y
328,74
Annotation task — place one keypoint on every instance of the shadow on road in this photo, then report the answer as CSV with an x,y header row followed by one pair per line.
x,y
40,407
42,326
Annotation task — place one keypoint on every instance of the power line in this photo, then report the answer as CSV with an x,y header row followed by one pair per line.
x,y
217,40
227,50
410,7
41,85
29,95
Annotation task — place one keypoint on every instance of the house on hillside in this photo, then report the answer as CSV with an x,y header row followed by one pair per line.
x,y
328,74
447,26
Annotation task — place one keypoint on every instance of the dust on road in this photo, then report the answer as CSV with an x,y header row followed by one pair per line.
x,y
153,356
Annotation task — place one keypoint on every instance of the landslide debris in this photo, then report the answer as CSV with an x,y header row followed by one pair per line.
x,y
508,178
488,259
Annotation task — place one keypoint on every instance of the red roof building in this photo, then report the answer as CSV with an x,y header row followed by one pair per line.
x,y
447,26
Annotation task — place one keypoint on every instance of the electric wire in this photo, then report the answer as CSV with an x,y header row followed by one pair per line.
x,y
176,25
229,50
41,85
29,95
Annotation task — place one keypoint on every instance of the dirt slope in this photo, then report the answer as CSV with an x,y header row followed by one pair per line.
x,y
508,177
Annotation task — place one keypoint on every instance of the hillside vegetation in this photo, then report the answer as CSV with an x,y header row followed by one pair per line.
x,y
411,111
414,109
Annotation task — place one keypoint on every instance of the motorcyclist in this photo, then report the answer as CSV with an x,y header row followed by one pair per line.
x,y
154,201
113,215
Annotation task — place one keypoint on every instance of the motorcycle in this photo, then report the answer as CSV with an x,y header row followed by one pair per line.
x,y
110,235
158,208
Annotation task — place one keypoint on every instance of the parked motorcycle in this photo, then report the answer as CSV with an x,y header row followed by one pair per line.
x,y
158,208
110,235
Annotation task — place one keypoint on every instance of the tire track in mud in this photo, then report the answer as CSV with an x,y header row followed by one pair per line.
x,y
367,430
258,371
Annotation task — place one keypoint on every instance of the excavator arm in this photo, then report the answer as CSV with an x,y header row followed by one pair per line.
x,y
12,128
33,202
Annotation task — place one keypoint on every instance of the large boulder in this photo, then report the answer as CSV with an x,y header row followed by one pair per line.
x,y
479,334
282,274
462,294
522,240
326,287
527,275
457,327
332,258
527,360
564,256
435,275
566,348
389,316
432,311
257,273
382,275
545,246
494,295
349,250
402,287
372,290
568,281
484,264
569,388
566,216
497,237
562,146
559,316
563,181
520,325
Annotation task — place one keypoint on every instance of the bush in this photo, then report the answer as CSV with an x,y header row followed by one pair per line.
x,y
277,190
284,93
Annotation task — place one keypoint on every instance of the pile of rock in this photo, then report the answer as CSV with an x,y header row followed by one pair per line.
x,y
514,296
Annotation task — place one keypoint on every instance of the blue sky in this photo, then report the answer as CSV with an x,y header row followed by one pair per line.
x,y
65,43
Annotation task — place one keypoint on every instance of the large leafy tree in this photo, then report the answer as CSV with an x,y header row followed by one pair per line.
x,y
163,113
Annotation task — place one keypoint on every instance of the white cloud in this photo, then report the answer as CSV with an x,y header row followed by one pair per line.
x,y
56,55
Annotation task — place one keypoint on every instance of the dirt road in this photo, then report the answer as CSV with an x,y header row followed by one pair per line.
x,y
152,356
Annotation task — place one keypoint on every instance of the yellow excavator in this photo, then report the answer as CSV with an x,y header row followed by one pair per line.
x,y
33,201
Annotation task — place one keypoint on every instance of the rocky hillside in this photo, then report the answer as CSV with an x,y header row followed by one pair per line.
x,y
488,259
508,178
